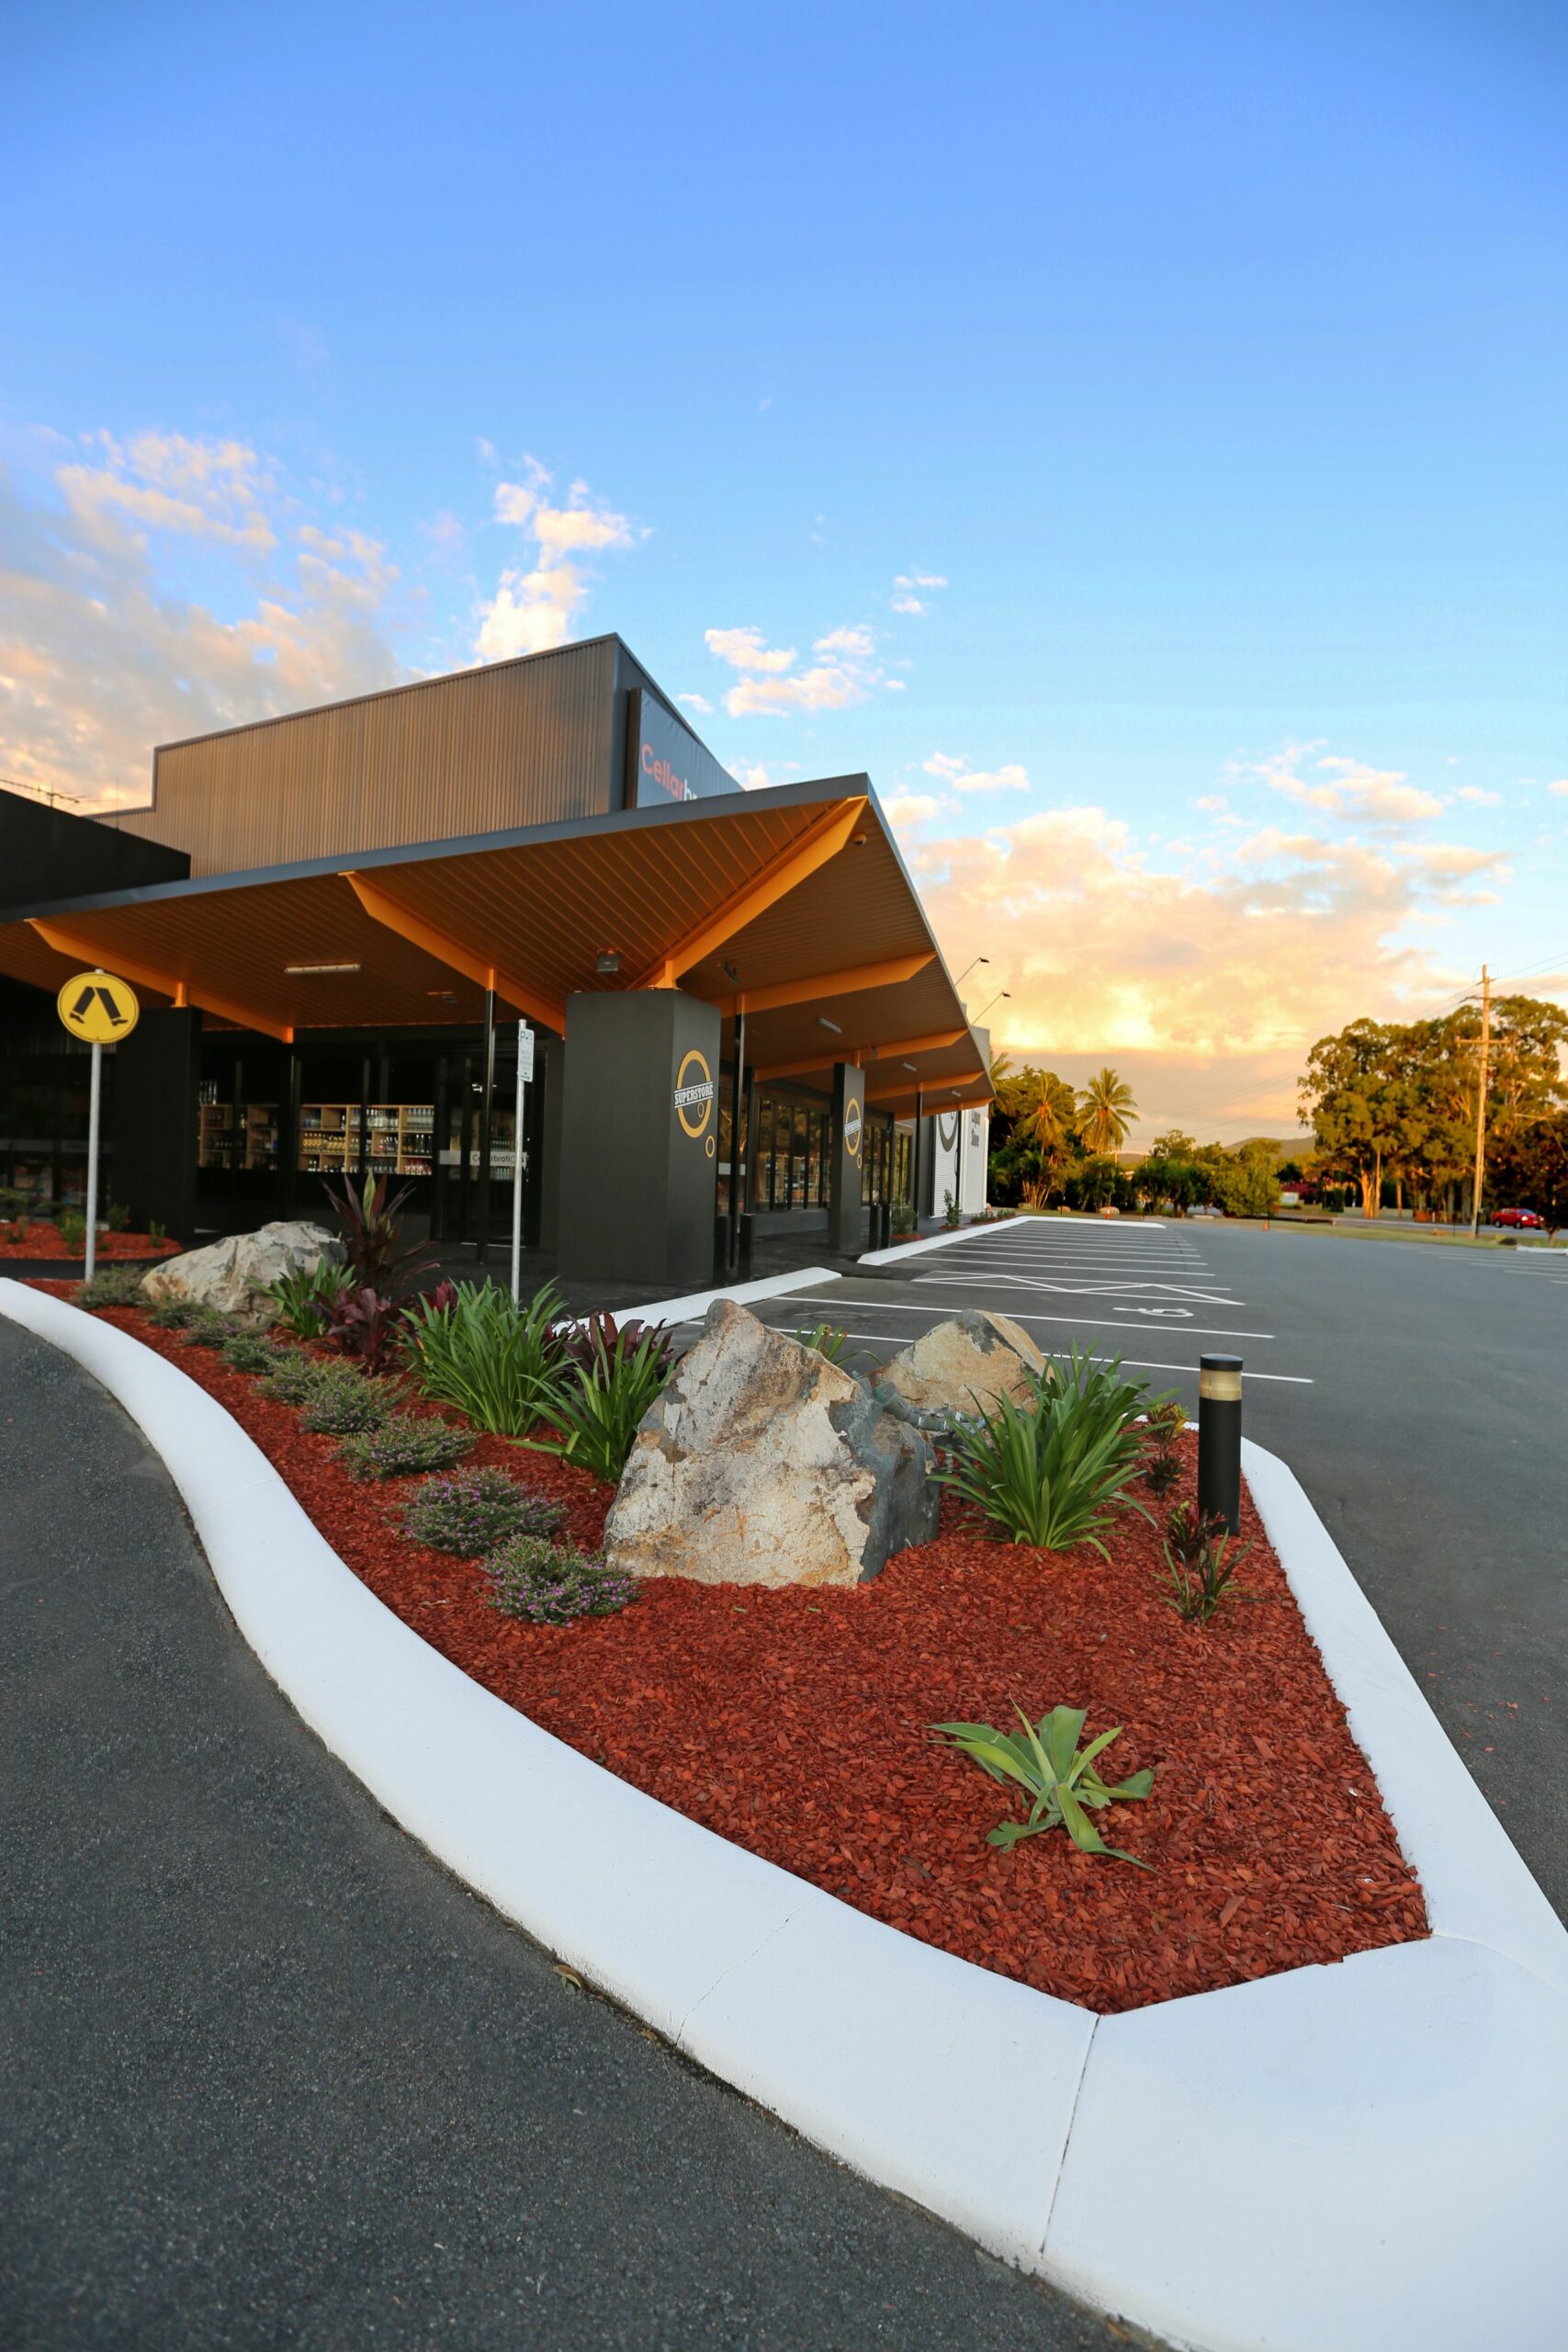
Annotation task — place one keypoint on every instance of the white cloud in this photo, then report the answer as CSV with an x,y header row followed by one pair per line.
x,y
754,777
535,608
696,702
852,644
964,778
1560,787
771,686
744,649
905,810
1214,803
1255,952
903,599
1382,797
1477,799
101,657
827,686
169,483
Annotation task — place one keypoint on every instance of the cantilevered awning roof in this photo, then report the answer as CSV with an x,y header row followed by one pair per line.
x,y
790,905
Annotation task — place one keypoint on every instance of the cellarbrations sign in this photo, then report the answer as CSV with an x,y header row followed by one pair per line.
x,y
665,759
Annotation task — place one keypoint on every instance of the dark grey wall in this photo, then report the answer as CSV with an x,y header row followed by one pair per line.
x,y
156,1075
47,853
844,1171
638,1189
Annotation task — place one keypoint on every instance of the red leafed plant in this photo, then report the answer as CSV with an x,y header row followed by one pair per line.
x,y
363,1319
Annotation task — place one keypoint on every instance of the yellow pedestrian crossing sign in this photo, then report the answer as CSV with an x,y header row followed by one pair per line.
x,y
97,1008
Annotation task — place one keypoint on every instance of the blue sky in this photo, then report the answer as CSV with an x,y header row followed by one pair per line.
x,y
1195,371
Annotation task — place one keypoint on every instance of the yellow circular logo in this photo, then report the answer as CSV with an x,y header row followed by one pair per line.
x,y
97,1008
693,1094
853,1129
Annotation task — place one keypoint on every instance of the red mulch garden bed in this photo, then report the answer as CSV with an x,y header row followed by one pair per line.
x,y
794,1723
46,1241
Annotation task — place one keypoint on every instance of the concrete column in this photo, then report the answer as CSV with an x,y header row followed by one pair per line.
x,y
639,1139
844,1169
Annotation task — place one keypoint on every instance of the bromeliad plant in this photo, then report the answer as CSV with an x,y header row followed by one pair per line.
x,y
471,1345
1162,1463
612,1376
1058,1779
1199,1570
1052,1470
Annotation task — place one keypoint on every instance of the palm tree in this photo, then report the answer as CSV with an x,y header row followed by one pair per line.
x,y
1050,1119
1105,1111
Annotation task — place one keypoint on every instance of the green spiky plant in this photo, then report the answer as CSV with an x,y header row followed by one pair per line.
x,y
1058,1779
304,1296
1052,1470
827,1340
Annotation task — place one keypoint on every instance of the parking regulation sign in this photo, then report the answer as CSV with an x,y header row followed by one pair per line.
x,y
97,1008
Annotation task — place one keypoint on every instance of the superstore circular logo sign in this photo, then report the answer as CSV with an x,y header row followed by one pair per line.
x,y
694,1094
853,1129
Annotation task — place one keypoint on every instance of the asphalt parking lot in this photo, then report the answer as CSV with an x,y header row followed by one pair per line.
x,y
1419,1391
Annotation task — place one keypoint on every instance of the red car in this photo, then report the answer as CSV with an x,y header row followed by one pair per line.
x,y
1518,1217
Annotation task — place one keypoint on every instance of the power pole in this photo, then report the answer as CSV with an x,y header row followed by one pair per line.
x,y
1481,1101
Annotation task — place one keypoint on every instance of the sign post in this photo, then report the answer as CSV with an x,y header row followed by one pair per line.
x,y
525,1072
99,1010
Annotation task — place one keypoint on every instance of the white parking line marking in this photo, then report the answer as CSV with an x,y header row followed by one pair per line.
x,y
1073,1322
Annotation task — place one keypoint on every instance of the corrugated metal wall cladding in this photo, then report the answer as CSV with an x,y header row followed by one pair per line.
x,y
520,744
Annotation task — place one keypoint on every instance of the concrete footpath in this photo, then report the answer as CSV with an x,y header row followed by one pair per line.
x,y
272,2078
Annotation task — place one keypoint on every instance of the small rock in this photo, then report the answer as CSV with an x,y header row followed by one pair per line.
x,y
964,1364
762,1463
234,1275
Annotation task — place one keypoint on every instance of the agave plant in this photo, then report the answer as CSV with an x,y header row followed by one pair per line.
x,y
1052,1471
1058,1779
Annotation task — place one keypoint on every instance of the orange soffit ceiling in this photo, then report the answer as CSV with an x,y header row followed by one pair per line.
x,y
773,903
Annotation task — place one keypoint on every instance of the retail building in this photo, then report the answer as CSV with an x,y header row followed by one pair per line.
x,y
337,921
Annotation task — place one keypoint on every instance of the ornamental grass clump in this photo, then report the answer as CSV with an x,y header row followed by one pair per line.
x,y
1061,1782
472,1345
1052,1470
552,1583
476,1511
403,1445
612,1374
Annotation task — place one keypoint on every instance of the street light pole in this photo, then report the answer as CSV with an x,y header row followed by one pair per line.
x,y
1481,1101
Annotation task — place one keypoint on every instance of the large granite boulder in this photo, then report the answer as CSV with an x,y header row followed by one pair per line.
x,y
234,1275
964,1364
762,1463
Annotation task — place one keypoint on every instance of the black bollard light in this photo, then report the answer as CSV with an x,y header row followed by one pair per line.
x,y
1219,1439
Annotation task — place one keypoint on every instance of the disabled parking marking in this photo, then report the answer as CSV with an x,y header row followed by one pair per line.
x,y
1078,1289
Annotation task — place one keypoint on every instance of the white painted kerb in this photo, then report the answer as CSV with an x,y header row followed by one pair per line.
x,y
1383,2141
